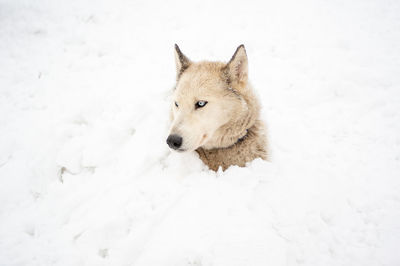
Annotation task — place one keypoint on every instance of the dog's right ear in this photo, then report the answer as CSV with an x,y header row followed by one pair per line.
x,y
181,61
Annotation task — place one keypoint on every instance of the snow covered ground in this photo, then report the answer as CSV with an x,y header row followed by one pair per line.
x,y
86,177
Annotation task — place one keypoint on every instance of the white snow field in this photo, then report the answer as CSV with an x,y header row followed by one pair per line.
x,y
86,177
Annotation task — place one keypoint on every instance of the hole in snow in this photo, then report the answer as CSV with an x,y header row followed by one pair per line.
x,y
30,231
103,252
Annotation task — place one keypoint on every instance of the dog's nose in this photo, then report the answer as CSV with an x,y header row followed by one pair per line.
x,y
174,141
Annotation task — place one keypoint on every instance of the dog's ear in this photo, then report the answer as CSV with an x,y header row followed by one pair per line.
x,y
237,67
181,61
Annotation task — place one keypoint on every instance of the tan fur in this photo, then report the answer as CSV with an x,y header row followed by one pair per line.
x,y
227,131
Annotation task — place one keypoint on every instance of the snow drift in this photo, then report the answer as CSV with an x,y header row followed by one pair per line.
x,y
86,176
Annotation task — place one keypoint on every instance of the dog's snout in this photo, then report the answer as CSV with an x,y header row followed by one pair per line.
x,y
174,141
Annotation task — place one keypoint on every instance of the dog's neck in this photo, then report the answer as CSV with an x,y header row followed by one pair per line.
x,y
246,148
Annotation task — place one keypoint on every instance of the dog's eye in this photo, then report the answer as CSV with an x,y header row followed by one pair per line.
x,y
200,104
176,104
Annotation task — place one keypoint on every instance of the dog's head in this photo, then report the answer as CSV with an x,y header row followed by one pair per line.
x,y
208,96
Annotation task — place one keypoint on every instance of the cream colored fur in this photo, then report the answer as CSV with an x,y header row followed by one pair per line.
x,y
227,130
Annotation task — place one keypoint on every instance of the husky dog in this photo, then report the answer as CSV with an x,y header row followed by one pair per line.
x,y
215,112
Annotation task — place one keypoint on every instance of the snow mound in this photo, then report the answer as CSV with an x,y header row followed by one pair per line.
x,y
86,177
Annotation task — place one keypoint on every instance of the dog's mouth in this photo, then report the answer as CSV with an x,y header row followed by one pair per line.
x,y
180,150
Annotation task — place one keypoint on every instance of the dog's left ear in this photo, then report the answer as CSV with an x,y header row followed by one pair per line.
x,y
181,61
238,67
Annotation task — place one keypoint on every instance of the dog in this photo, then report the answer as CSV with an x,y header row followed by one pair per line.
x,y
216,113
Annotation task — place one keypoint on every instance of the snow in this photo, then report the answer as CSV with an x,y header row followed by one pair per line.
x,y
86,177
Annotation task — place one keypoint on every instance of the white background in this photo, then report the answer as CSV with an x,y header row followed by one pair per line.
x,y
86,177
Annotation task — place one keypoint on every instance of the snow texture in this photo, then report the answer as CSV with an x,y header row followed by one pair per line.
x,y
86,177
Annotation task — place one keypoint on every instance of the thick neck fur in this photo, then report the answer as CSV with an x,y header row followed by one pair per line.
x,y
252,146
